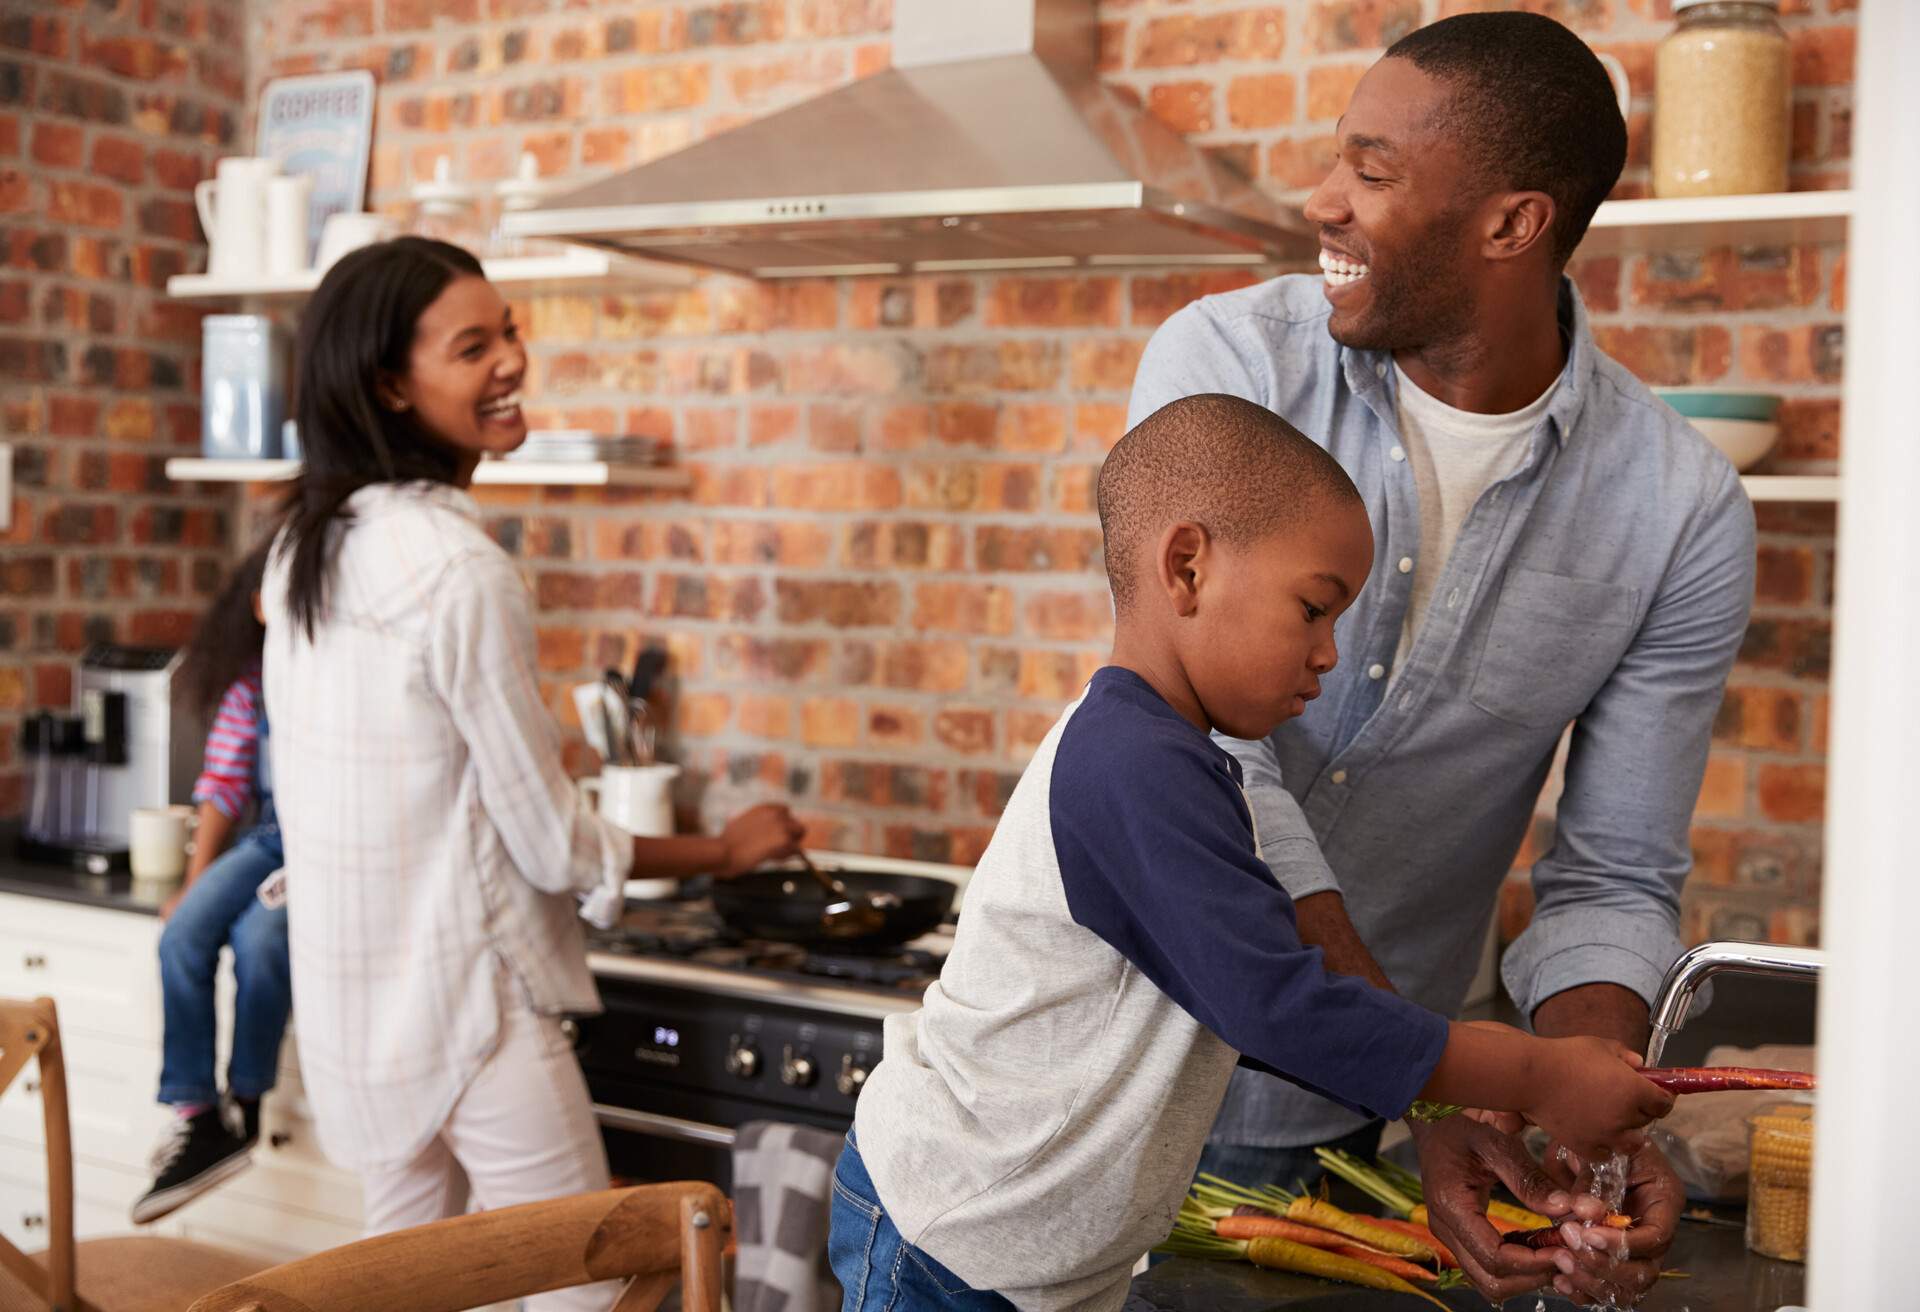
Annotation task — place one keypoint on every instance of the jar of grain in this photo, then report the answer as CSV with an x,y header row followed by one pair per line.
x,y
1722,111
1780,1180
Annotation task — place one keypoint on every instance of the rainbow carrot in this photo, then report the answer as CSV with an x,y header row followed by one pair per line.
x,y
1285,1255
1399,1266
1254,1227
1318,1212
1421,1233
1722,1079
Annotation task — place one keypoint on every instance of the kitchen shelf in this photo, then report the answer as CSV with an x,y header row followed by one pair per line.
x,y
1785,218
570,270
1792,487
518,473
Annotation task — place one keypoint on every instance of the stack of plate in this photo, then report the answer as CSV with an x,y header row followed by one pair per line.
x,y
1742,424
567,445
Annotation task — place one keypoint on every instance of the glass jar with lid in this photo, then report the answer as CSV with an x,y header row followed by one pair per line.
x,y
1722,110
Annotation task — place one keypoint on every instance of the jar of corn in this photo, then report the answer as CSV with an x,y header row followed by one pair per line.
x,y
1779,1181
1722,108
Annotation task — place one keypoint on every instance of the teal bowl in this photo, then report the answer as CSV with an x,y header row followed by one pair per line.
x,y
1705,403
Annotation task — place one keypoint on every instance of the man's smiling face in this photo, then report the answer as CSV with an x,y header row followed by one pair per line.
x,y
1396,217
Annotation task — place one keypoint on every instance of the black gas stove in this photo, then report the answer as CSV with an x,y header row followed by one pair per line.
x,y
704,1031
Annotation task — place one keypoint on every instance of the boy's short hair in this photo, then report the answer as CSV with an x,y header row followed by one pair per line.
x,y
1233,467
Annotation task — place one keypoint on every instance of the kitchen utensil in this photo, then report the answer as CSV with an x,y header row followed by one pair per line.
x,y
232,207
349,231
640,736
1743,441
287,202
647,667
849,916
638,799
1715,403
783,904
159,838
620,716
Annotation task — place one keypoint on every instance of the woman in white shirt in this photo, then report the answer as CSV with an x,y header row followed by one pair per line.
x,y
436,850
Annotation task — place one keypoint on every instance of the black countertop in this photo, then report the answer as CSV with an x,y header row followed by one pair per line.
x,y
1722,1277
62,883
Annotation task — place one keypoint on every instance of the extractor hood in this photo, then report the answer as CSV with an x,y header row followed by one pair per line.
x,y
990,144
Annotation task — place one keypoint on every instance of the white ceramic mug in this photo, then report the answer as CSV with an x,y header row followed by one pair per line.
x,y
158,842
349,230
639,799
288,199
1617,74
233,206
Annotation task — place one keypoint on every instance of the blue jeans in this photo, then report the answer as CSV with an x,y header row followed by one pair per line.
x,y
878,1270
221,909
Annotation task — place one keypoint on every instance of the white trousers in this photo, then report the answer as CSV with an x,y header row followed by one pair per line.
x,y
522,1132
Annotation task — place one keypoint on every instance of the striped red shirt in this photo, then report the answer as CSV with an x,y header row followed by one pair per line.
x,y
233,748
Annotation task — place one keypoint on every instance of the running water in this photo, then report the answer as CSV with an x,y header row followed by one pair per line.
x,y
1607,1181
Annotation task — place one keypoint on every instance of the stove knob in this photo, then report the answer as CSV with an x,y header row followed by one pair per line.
x,y
743,1061
798,1070
851,1078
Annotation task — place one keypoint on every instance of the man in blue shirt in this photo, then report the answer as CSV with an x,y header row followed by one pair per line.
x,y
1556,547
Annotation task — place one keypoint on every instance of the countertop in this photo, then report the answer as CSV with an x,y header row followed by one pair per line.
x,y
64,884
1722,1277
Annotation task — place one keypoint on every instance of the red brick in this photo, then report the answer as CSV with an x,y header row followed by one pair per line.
x,y
977,608
657,87
9,134
973,486
836,487
1010,366
1790,793
768,425
965,423
874,58
1071,490
1784,576
1182,106
903,544
1155,297
923,666
778,660
1300,163
843,368
702,714
1106,364
966,731
794,545
1723,790
763,716
559,649
1763,278
1803,353
895,726
1181,42
1026,302
1822,56
1001,548
59,145
1809,430
1330,88
120,159
814,18
1031,428
1025,732
841,605
830,722
1070,616
1056,676
804,304
1669,356
1335,26
1760,719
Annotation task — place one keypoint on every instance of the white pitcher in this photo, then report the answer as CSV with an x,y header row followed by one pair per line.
x,y
286,238
232,208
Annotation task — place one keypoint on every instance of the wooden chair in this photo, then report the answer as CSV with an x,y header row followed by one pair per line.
x,y
133,1274
653,1235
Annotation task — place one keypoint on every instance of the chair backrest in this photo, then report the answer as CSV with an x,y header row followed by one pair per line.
x,y
29,1030
653,1235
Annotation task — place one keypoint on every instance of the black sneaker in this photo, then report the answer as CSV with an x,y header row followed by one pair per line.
x,y
197,1154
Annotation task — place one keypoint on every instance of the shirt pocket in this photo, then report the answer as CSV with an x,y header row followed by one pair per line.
x,y
1552,643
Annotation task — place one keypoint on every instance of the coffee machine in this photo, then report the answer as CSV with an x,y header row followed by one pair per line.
x,y
131,742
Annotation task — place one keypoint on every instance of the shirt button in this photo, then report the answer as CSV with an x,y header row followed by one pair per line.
x,y
1376,671
1397,454
1380,369
1406,564
1453,599
1338,776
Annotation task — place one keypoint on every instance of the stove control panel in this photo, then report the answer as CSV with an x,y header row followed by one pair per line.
x,y
694,1042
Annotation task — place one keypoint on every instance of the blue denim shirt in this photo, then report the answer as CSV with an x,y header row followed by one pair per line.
x,y
1605,583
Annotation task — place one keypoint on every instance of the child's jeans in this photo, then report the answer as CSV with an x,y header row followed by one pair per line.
x,y
220,909
878,1270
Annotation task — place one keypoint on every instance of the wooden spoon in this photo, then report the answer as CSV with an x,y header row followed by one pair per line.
x,y
845,918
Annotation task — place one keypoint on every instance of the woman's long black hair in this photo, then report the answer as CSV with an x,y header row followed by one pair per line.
x,y
227,643
357,329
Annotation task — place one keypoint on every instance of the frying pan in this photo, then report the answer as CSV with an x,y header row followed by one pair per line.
x,y
785,906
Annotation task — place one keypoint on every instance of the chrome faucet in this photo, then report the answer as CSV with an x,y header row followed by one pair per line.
x,y
1696,965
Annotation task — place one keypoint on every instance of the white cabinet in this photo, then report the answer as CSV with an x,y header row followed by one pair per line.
x,y
101,969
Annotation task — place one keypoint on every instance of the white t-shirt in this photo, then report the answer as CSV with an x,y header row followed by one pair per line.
x,y
1455,455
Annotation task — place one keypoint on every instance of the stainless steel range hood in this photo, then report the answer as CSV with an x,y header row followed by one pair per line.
x,y
990,144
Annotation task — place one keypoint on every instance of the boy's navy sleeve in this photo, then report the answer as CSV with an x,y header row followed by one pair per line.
x,y
1156,851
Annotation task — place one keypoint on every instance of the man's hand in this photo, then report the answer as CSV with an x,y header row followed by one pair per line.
x,y
1654,1200
1460,1162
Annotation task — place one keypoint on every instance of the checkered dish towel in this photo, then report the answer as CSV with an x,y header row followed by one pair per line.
x,y
782,1187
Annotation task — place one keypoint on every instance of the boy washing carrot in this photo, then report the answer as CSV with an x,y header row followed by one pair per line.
x,y
1033,1127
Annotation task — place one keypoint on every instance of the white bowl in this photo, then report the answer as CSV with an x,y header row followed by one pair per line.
x,y
1743,441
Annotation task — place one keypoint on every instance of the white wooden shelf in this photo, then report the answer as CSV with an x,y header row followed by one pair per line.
x,y
543,473
1792,487
1785,218
571,270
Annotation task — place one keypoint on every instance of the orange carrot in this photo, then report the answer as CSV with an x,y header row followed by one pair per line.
x,y
1285,1255
1253,1227
1316,1211
1399,1266
1421,1233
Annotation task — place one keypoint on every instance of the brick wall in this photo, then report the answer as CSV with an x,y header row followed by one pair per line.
x,y
886,580
109,113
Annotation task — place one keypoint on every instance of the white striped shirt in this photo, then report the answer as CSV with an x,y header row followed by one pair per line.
x,y
431,830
